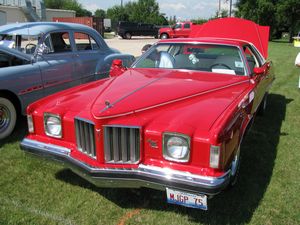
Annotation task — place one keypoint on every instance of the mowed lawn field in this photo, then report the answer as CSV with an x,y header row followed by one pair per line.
x,y
33,191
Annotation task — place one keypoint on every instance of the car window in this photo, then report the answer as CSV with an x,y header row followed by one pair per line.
x,y
200,57
24,43
177,25
187,26
252,59
58,42
85,42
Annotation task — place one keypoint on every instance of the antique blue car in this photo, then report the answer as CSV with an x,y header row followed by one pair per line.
x,y
38,59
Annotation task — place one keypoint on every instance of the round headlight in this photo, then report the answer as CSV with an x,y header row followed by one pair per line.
x,y
53,125
177,148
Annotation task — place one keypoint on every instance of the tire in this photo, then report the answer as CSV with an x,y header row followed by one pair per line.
x,y
164,36
8,117
235,168
263,106
128,35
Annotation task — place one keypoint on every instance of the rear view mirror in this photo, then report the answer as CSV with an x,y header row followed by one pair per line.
x,y
117,68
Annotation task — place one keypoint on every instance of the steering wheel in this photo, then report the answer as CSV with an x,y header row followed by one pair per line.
x,y
220,65
29,47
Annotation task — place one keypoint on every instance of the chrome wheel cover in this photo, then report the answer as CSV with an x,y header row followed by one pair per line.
x,y
5,117
235,163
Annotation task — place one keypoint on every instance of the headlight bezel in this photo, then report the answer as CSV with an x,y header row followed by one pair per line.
x,y
56,116
166,154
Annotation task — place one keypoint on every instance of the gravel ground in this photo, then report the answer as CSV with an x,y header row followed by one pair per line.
x,y
132,46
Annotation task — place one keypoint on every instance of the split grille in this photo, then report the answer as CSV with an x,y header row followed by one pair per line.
x,y
121,144
85,137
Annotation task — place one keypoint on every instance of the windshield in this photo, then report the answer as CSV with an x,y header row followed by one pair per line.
x,y
23,43
200,57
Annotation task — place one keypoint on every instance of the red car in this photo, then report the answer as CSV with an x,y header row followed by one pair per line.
x,y
174,121
180,29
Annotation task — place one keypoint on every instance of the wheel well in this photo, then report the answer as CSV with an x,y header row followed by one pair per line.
x,y
13,98
165,34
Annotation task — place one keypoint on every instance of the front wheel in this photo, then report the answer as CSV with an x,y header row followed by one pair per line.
x,y
8,117
235,167
128,35
164,36
263,106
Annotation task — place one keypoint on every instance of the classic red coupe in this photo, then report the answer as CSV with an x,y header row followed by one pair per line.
x,y
174,121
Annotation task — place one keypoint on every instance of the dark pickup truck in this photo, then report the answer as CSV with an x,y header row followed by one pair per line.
x,y
128,29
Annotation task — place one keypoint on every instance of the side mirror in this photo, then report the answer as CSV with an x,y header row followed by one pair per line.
x,y
117,62
117,68
43,49
259,70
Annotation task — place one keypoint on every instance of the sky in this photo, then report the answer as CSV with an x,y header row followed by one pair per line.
x,y
183,9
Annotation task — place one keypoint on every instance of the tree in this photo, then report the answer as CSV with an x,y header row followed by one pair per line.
x,y
117,13
68,5
288,14
280,15
141,11
199,21
100,13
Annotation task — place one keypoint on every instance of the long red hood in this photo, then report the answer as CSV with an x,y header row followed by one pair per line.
x,y
141,89
183,94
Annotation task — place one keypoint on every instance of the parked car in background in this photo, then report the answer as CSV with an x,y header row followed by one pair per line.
x,y
174,121
39,59
128,29
178,30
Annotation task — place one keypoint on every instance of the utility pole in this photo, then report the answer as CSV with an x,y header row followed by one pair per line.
x,y
122,3
230,6
219,12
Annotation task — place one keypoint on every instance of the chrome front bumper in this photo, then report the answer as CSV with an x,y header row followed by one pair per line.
x,y
144,176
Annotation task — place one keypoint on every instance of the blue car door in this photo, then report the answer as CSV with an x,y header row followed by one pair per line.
x,y
87,55
57,64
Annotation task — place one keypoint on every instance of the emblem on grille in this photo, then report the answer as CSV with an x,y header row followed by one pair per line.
x,y
153,144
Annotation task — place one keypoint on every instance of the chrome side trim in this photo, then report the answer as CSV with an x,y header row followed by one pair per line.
x,y
143,176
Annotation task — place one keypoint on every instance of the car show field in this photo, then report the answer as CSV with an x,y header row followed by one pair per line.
x,y
37,192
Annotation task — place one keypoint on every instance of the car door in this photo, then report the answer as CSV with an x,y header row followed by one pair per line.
x,y
186,30
177,30
57,64
87,55
261,81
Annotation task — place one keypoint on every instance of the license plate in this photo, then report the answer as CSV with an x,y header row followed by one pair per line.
x,y
186,199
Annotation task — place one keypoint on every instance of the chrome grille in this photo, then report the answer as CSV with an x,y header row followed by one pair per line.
x,y
85,137
121,144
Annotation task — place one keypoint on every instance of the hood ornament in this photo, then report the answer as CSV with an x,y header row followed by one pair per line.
x,y
107,103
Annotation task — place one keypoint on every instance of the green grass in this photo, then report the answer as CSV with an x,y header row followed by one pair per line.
x,y
33,191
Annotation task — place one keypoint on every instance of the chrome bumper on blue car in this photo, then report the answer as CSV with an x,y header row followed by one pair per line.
x,y
144,176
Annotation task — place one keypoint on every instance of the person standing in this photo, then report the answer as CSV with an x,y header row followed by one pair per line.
x,y
297,63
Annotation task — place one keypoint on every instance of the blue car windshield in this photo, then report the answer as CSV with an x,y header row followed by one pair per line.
x,y
23,43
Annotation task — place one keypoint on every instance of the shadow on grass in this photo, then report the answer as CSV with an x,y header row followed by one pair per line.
x,y
234,206
19,132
